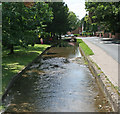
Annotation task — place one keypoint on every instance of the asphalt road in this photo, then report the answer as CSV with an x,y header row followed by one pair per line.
x,y
110,47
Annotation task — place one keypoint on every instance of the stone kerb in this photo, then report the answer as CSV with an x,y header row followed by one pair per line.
x,y
103,83
18,76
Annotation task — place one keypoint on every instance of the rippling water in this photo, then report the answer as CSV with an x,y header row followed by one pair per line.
x,y
57,82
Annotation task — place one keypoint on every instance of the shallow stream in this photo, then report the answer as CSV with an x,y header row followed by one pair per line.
x,y
58,82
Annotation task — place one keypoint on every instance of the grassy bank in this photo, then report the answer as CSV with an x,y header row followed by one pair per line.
x,y
12,64
85,47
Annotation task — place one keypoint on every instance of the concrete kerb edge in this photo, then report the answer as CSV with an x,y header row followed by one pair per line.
x,y
17,76
105,86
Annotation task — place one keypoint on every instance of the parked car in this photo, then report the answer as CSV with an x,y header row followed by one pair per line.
x,y
62,36
71,35
66,35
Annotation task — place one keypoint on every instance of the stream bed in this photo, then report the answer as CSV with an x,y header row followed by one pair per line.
x,y
60,81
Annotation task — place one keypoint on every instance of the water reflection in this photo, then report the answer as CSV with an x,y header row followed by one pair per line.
x,y
59,82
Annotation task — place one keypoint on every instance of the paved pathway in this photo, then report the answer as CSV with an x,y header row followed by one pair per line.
x,y
108,45
107,64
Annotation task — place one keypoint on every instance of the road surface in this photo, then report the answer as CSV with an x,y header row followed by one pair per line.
x,y
111,48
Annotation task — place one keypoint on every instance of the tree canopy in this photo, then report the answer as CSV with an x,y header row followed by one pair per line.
x,y
74,22
60,24
21,24
105,14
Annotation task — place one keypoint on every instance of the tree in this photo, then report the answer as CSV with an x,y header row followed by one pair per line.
x,y
74,22
60,24
21,24
105,14
89,26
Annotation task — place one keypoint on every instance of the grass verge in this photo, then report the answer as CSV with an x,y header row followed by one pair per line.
x,y
12,64
85,47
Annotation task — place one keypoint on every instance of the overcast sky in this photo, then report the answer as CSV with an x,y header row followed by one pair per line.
x,y
77,6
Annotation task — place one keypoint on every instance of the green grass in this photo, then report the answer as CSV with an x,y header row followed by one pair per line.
x,y
85,47
77,34
14,63
1,108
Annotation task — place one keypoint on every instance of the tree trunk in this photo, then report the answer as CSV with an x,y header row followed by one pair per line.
x,y
60,36
11,49
32,45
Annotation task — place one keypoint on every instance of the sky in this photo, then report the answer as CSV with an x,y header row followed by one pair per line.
x,y
77,6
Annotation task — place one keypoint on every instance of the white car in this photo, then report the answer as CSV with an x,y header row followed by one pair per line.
x,y
66,35
71,35
62,36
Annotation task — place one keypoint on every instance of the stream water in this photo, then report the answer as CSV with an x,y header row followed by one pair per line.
x,y
58,82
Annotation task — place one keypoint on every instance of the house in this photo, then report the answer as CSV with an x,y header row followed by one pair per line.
x,y
77,31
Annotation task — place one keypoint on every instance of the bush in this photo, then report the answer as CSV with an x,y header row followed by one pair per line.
x,y
76,35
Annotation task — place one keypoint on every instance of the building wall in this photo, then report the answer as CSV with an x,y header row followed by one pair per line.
x,y
117,36
77,31
108,35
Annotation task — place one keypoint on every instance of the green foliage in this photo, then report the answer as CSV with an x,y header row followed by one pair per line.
x,y
1,108
88,25
86,63
87,33
105,14
63,19
74,22
59,25
21,24
12,64
98,74
85,47
77,35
